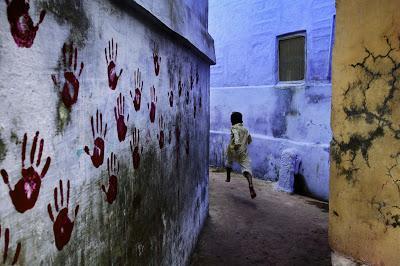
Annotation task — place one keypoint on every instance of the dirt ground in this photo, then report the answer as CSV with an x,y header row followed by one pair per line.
x,y
273,229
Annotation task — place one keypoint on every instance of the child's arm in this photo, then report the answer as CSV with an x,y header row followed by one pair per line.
x,y
249,139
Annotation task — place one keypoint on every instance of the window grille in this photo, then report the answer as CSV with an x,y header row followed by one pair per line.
x,y
291,58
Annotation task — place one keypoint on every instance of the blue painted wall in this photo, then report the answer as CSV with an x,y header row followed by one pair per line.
x,y
245,79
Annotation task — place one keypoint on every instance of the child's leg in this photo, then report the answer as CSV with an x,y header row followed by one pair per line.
x,y
228,165
249,178
228,174
245,164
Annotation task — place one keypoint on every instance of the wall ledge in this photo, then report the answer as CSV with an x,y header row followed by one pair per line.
x,y
276,86
170,19
270,138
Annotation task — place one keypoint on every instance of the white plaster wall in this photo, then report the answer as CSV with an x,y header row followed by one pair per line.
x,y
162,228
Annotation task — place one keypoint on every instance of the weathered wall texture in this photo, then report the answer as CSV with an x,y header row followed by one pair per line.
x,y
279,116
104,131
364,188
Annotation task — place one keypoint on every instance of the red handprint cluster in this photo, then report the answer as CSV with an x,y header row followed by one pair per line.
x,y
62,224
26,191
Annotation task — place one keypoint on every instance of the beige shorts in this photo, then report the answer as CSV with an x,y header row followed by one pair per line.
x,y
242,159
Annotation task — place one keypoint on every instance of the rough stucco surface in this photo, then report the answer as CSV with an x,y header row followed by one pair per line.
x,y
364,189
279,116
159,207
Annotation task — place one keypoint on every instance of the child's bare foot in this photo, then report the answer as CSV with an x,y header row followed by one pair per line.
x,y
252,192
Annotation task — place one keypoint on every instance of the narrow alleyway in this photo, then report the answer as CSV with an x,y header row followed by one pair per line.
x,y
273,229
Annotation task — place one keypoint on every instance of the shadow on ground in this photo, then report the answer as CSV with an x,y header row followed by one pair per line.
x,y
273,229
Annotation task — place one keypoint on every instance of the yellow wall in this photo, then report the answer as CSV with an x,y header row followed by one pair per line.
x,y
364,220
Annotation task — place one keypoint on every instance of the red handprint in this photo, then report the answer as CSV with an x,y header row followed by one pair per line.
x,y
180,87
21,24
160,136
194,107
152,105
70,90
111,59
177,132
156,60
119,112
171,93
191,79
135,149
138,90
26,191
187,143
113,170
187,96
62,225
200,104
170,136
6,244
99,145
177,140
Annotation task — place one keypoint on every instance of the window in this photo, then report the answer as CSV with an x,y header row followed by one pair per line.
x,y
291,58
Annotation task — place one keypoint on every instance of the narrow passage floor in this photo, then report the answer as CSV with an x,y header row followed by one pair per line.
x,y
273,229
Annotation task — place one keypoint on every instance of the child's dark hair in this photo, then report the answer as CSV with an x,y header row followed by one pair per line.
x,y
236,118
